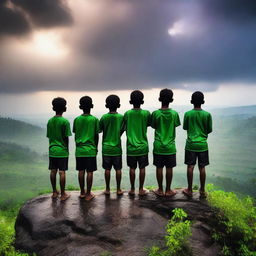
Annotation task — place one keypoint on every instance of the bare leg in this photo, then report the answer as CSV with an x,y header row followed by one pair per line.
x,y
81,183
189,190
168,191
168,179
118,182
89,180
142,191
190,170
64,195
202,179
53,182
159,177
107,179
132,181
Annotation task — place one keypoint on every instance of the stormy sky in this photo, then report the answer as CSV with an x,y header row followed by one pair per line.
x,y
109,45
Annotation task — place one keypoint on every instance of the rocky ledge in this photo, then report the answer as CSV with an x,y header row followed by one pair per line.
x,y
117,225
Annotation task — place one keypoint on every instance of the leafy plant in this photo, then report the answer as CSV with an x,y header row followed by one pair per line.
x,y
178,231
236,229
7,236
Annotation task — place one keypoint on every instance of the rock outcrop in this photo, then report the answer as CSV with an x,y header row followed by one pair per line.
x,y
108,225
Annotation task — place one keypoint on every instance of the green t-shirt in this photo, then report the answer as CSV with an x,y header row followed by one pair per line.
x,y
164,121
198,124
111,125
58,130
135,124
86,129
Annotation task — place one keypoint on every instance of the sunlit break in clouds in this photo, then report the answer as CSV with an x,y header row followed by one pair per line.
x,y
46,44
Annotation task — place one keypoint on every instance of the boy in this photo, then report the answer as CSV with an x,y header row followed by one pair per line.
x,y
111,124
164,121
86,128
135,123
198,124
58,130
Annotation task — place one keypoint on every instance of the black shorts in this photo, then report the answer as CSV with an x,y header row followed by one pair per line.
x,y
58,163
109,161
191,156
169,161
86,163
142,161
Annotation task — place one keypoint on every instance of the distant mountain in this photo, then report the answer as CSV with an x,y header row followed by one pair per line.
x,y
23,134
10,127
13,153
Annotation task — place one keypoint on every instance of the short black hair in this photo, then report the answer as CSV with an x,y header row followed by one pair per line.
x,y
112,101
197,98
86,102
59,104
166,96
136,97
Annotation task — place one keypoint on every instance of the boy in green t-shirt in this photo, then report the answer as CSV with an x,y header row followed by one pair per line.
x,y
165,121
86,129
135,123
198,124
110,125
58,130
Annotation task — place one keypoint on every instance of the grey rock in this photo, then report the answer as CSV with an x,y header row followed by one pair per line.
x,y
115,225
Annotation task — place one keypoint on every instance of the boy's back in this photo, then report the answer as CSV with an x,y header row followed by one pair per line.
x,y
164,121
198,124
136,122
111,124
86,128
58,129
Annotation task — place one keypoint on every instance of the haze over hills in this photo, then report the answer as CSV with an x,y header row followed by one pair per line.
x,y
24,157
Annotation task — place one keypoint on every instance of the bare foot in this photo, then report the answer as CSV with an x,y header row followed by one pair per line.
x,y
131,192
119,192
143,192
170,193
82,196
158,192
187,192
203,194
89,197
64,197
107,192
55,194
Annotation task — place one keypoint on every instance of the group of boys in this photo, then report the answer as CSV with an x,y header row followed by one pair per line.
x,y
134,122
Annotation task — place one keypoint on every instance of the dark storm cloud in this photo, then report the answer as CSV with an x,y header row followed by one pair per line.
x,y
134,50
17,16
140,49
12,22
46,13
234,10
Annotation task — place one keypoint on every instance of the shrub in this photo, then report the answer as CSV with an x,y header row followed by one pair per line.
x,y
7,236
236,228
178,231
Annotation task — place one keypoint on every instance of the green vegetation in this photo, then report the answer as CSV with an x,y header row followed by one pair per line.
x,y
24,174
176,241
7,235
236,226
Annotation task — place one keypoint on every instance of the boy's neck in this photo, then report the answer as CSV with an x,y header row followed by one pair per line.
x,y
165,106
87,112
112,112
59,114
197,107
136,107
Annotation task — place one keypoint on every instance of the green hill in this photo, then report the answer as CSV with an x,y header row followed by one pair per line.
x,y
10,153
23,134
